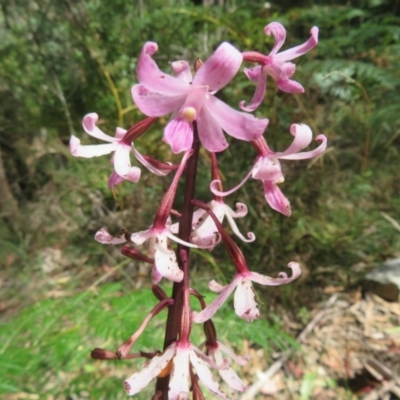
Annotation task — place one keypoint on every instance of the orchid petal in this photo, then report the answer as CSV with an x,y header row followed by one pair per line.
x,y
238,360
182,70
153,78
210,133
214,186
235,123
210,310
169,235
282,279
205,376
179,378
89,125
279,33
139,238
179,135
220,68
102,236
245,303
235,229
241,210
276,199
89,151
289,86
149,166
165,261
155,104
141,379
309,154
155,276
302,139
122,162
228,375
253,73
114,179
268,168
298,51
215,287
133,174
259,94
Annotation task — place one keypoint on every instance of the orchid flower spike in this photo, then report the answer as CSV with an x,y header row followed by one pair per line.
x,y
120,145
276,64
268,169
177,360
192,99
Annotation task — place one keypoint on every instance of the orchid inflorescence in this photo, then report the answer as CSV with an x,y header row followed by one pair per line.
x,y
198,118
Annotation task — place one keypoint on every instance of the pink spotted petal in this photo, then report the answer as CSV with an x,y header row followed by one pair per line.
x,y
122,162
235,123
165,261
89,151
244,301
259,94
310,154
298,51
182,70
102,236
279,33
180,375
114,180
276,199
89,125
153,78
210,133
286,71
302,139
156,104
179,135
209,311
204,373
155,276
141,379
220,68
282,279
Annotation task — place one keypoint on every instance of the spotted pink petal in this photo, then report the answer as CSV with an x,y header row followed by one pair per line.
x,y
276,199
210,132
182,70
245,304
179,135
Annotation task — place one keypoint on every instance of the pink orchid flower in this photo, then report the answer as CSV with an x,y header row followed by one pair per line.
x,y
205,233
192,99
183,355
244,302
268,169
276,64
119,145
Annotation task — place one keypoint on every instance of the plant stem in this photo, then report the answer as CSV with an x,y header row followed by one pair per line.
x,y
185,227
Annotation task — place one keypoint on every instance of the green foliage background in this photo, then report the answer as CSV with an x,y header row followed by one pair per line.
x,y
61,60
